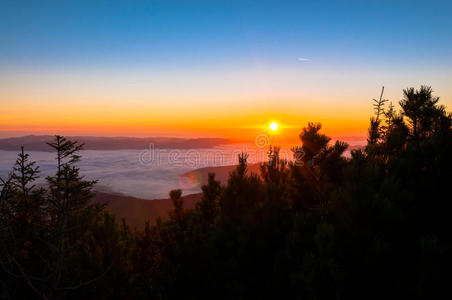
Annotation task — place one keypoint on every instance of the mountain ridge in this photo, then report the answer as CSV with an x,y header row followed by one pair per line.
x,y
38,142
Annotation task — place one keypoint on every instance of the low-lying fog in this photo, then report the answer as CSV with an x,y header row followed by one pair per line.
x,y
146,174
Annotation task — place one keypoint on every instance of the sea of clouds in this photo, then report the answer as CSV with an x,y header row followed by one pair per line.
x,y
148,174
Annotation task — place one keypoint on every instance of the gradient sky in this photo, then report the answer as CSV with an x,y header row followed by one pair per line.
x,y
214,68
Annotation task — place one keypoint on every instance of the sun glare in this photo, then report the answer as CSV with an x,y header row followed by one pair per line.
x,y
274,126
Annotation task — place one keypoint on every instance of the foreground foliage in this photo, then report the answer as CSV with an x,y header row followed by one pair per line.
x,y
375,225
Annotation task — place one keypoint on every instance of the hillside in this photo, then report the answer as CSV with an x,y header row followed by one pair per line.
x,y
136,211
200,176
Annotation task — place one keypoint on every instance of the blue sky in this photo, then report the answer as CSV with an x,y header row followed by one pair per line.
x,y
183,34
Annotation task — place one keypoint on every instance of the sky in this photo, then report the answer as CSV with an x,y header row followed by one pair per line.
x,y
214,68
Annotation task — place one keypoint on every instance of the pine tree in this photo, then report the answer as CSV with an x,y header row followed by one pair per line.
x,y
24,173
209,205
177,215
375,122
313,143
71,215
421,109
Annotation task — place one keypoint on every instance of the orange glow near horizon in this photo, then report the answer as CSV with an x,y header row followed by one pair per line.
x,y
130,119
242,128
237,105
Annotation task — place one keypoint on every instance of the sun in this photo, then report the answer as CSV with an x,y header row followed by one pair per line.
x,y
274,126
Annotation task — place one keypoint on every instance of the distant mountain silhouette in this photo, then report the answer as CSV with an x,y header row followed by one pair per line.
x,y
38,142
